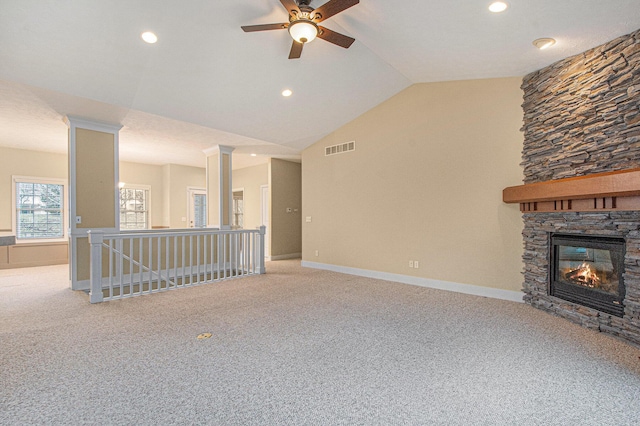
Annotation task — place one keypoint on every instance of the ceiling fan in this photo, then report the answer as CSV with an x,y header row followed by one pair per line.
x,y
303,24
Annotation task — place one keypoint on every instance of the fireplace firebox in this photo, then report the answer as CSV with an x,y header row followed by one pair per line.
x,y
588,270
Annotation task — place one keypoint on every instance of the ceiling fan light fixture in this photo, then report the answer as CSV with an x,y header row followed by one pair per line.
x,y
303,31
543,43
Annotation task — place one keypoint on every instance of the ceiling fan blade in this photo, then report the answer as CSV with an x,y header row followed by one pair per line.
x,y
296,50
291,6
331,8
264,27
335,38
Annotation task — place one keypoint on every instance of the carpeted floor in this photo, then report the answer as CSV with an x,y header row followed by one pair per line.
x,y
301,346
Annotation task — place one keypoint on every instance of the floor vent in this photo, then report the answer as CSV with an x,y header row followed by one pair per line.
x,y
341,148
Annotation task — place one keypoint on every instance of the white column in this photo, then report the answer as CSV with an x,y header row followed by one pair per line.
x,y
219,186
93,190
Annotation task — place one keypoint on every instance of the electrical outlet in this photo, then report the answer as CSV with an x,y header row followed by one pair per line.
x,y
308,219
317,253
416,264
411,264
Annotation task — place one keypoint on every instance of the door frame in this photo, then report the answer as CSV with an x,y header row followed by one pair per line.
x,y
265,219
191,191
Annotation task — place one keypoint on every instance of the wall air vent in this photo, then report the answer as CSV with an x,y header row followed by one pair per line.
x,y
341,148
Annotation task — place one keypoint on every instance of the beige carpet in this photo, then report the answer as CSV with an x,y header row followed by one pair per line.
x,y
300,346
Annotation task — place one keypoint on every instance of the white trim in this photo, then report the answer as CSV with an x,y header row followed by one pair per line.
x,y
286,256
65,210
267,241
493,293
74,122
84,123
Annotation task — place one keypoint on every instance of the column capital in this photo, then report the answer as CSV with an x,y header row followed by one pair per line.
x,y
85,123
218,149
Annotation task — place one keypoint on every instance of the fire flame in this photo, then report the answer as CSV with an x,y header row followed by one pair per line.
x,y
584,275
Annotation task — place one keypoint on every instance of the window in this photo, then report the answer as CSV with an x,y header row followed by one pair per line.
x,y
39,212
238,209
134,207
200,210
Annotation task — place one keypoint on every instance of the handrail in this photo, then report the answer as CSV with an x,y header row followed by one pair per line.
x,y
146,262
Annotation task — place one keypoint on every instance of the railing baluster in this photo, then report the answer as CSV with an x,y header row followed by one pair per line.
x,y
166,260
198,258
211,256
140,264
131,266
110,268
205,258
120,264
183,261
150,268
225,255
218,254
159,265
175,260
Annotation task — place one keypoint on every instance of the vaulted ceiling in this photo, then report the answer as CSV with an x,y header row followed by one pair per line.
x,y
206,82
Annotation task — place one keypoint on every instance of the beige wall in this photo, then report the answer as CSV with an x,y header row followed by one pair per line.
x,y
250,179
179,179
21,162
424,183
168,183
148,175
285,187
33,254
95,193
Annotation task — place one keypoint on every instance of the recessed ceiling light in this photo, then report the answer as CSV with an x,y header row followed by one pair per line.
x,y
498,6
149,37
286,93
543,43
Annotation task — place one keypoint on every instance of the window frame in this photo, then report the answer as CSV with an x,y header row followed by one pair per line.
x,y
64,207
136,186
235,216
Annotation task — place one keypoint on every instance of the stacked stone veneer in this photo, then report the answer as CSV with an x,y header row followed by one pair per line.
x,y
582,116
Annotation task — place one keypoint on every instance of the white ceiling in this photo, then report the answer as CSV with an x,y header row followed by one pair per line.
x,y
207,82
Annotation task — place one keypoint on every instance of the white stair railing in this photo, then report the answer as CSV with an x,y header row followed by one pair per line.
x,y
130,264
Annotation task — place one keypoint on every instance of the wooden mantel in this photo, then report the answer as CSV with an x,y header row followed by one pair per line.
x,y
600,191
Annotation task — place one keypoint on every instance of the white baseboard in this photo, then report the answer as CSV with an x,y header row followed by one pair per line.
x,y
493,293
286,256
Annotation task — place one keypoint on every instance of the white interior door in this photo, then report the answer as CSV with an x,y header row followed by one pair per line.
x,y
264,207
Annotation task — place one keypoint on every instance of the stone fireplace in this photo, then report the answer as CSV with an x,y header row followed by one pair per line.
x,y
581,161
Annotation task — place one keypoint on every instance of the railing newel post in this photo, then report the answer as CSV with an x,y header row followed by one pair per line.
x,y
95,266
